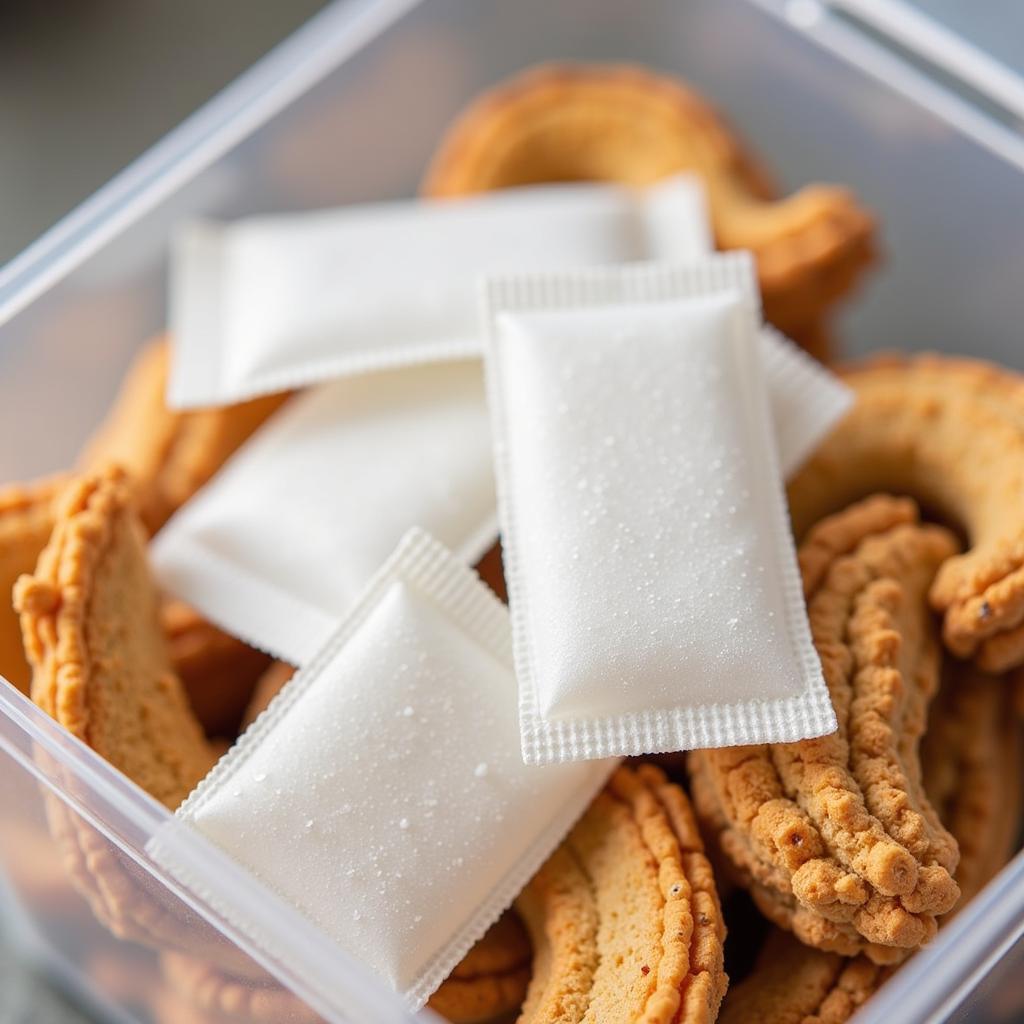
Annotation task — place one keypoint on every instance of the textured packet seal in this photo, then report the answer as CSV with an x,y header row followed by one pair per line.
x,y
277,547
273,303
806,400
655,596
406,857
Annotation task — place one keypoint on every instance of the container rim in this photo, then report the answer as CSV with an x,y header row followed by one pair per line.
x,y
954,963
289,69
918,57
199,875
888,40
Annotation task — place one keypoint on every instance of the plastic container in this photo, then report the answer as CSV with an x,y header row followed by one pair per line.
x,y
349,109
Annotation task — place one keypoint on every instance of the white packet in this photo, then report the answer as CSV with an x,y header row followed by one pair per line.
x,y
276,548
382,793
655,595
271,303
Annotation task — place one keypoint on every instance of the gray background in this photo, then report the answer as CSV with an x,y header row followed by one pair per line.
x,y
88,85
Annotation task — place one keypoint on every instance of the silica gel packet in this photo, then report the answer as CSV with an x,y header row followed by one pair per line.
x,y
389,771
272,303
278,546
655,596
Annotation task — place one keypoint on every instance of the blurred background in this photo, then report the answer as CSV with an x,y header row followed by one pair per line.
x,y
88,85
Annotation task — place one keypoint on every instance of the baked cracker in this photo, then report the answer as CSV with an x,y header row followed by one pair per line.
x,y
949,432
627,124
834,836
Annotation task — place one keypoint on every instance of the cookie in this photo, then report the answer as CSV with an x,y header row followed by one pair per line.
x,y
971,758
267,688
626,124
101,668
122,897
973,770
33,866
91,629
795,984
219,672
168,454
950,433
491,979
624,917
834,836
206,988
26,520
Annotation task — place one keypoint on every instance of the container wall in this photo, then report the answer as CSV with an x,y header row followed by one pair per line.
x,y
954,258
87,904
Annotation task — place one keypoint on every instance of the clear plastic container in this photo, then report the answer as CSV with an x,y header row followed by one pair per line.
x,y
349,109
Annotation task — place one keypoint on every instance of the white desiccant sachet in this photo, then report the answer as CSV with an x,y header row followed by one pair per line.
x,y
805,399
406,850
271,303
655,596
278,546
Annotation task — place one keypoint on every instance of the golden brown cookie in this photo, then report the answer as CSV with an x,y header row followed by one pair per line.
x,y
973,768
834,836
795,984
205,987
101,668
219,672
491,979
26,519
33,866
971,757
123,897
169,455
126,976
950,433
267,688
91,628
624,917
626,124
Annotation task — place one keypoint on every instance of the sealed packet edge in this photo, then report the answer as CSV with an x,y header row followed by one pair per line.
x,y
798,382
468,602
197,348
809,713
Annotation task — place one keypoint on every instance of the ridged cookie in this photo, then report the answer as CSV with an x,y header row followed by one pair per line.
x,y
492,977
971,757
626,124
101,668
624,917
973,760
795,984
168,454
950,433
26,521
91,628
490,981
203,986
834,836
